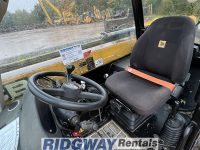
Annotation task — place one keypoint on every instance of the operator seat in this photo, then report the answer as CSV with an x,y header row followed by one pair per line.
x,y
164,51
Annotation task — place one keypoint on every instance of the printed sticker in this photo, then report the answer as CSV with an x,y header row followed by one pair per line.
x,y
99,62
71,54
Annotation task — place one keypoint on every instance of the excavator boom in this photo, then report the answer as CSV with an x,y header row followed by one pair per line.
x,y
45,12
53,7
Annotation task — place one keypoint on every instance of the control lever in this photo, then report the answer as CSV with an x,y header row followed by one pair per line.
x,y
89,126
175,109
70,68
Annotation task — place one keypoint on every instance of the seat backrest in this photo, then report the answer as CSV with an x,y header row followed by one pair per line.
x,y
166,48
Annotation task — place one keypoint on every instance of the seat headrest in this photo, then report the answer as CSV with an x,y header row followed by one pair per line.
x,y
166,48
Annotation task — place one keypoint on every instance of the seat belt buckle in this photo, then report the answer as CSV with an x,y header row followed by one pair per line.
x,y
177,91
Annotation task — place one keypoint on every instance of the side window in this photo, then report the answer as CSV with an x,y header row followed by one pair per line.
x,y
36,27
154,9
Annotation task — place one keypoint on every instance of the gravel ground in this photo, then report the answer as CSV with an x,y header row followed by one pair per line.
x,y
23,42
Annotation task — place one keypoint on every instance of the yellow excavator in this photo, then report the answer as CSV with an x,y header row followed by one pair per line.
x,y
63,16
55,9
65,13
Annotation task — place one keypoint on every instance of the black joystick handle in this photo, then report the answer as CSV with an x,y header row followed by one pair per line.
x,y
70,69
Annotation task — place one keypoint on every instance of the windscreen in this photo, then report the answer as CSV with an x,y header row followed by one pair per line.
x,y
33,28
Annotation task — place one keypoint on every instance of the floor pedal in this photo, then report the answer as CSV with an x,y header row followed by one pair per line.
x,y
16,89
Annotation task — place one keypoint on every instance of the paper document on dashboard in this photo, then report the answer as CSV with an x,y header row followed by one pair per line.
x,y
71,54
9,136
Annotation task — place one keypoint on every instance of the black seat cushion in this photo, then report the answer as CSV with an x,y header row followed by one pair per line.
x,y
141,95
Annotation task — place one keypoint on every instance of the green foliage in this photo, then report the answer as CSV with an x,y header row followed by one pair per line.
x,y
118,5
19,18
113,5
24,18
38,13
8,20
173,7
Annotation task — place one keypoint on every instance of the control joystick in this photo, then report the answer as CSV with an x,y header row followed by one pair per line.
x,y
70,69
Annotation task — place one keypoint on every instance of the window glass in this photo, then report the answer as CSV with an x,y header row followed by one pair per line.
x,y
32,28
154,9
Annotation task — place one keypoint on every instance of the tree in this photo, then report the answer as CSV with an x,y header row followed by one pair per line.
x,y
38,13
8,20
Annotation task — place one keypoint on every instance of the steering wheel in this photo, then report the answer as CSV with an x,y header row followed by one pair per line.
x,y
69,94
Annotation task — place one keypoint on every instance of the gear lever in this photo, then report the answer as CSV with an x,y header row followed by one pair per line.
x,y
70,68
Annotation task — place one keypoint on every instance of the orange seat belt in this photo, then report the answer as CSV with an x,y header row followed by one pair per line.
x,y
163,83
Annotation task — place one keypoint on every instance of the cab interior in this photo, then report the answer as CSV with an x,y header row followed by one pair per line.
x,y
134,81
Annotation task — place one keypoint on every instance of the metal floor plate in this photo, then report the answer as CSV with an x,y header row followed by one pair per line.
x,y
109,130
